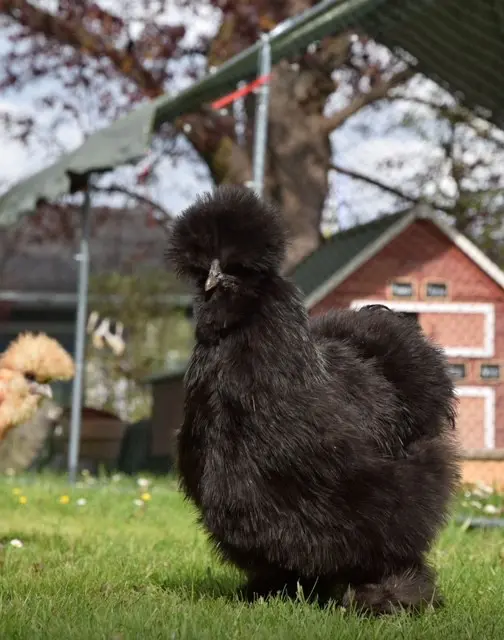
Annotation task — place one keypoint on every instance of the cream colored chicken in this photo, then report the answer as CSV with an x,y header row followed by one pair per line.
x,y
27,367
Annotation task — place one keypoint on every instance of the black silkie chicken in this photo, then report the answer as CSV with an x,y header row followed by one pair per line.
x,y
318,452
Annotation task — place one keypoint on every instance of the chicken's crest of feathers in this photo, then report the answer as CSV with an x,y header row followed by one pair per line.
x,y
230,224
39,355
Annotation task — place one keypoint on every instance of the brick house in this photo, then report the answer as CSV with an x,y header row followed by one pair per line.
x,y
414,263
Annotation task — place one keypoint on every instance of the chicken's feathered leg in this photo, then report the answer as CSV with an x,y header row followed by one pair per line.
x,y
412,589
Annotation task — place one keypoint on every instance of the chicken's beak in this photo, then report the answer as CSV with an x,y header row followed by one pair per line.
x,y
43,390
214,276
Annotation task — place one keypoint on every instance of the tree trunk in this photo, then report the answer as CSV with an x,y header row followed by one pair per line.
x,y
299,149
299,157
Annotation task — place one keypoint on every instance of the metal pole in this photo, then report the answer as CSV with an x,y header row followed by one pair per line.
x,y
261,122
240,117
290,23
80,338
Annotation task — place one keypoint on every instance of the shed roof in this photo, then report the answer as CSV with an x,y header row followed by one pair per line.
x,y
323,270
338,251
38,257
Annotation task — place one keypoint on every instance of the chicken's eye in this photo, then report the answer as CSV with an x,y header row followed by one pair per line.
x,y
30,376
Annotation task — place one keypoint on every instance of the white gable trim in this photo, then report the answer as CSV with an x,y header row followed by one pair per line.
x,y
483,308
488,394
467,247
369,252
422,213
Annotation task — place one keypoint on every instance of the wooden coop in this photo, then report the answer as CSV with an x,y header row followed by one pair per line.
x,y
167,414
101,436
414,264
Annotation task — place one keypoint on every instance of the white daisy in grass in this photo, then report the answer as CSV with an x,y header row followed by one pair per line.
x,y
16,543
491,509
143,483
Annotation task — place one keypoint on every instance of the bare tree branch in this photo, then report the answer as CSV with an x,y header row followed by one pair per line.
x,y
116,188
75,35
389,189
376,93
204,130
455,114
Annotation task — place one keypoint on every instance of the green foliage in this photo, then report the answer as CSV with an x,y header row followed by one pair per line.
x,y
157,333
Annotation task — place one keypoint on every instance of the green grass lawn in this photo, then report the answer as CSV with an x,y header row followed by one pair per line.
x,y
109,568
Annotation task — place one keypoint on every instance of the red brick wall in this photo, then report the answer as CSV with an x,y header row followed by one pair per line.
x,y
466,330
470,422
423,252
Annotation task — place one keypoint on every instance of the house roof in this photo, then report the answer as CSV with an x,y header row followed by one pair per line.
x,y
37,258
338,251
339,257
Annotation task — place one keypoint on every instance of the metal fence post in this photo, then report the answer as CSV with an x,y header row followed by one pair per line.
x,y
240,117
261,120
80,338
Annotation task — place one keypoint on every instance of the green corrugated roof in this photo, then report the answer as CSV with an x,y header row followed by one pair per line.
x,y
458,43
337,252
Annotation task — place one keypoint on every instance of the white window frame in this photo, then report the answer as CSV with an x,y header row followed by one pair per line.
x,y
485,309
488,394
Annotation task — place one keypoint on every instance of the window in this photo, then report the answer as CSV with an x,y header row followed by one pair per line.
x,y
457,371
490,372
436,290
402,289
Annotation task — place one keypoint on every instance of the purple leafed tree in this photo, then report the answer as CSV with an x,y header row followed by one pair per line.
x,y
102,60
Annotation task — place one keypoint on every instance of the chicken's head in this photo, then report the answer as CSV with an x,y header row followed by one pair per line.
x,y
230,244
226,237
27,368
40,359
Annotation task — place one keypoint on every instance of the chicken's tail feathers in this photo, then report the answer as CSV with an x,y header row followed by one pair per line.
x,y
230,224
382,308
375,307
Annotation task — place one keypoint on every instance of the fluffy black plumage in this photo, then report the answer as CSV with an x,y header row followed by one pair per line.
x,y
316,451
